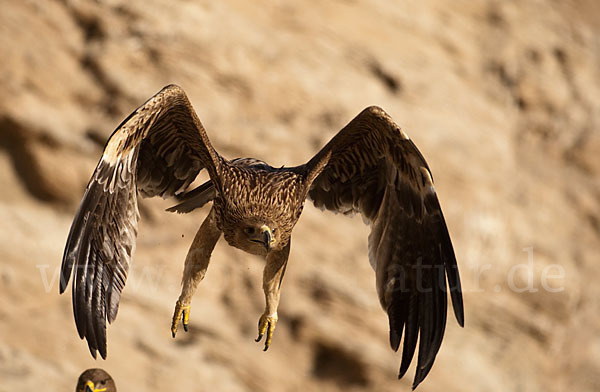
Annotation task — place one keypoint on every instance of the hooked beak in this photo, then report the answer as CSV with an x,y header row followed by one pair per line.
x,y
90,387
267,237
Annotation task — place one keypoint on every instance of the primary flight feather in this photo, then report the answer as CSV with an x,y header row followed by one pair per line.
x,y
370,167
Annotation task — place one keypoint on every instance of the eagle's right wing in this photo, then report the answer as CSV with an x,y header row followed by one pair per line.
x,y
158,150
372,167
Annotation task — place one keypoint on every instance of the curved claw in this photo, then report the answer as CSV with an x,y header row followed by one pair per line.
x,y
181,312
266,324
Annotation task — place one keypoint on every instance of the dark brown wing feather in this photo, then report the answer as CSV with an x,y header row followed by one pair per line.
x,y
158,150
372,167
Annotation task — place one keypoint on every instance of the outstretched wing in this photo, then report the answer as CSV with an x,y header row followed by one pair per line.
x,y
372,167
158,150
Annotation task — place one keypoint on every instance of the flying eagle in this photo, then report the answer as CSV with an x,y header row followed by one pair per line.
x,y
370,167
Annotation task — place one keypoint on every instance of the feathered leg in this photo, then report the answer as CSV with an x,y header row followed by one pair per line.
x,y
272,278
196,264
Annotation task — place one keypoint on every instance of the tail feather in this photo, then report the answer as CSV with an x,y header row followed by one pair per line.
x,y
195,198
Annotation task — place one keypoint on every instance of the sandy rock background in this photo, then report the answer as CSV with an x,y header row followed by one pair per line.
x,y
502,98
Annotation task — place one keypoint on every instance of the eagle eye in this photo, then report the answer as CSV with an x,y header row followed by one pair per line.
x,y
249,230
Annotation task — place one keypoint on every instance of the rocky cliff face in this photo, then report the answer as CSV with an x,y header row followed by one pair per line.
x,y
502,98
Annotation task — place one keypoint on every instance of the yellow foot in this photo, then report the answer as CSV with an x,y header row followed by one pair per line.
x,y
181,312
266,324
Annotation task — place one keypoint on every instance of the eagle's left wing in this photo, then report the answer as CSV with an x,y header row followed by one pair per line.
x,y
372,167
158,150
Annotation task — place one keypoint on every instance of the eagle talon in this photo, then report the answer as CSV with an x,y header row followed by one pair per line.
x,y
266,325
181,312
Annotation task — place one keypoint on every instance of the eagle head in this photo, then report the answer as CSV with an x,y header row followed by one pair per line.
x,y
95,380
254,235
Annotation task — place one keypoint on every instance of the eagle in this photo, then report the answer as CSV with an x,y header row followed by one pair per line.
x,y
95,380
370,167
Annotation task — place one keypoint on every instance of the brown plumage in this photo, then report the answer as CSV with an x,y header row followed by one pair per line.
x,y
95,380
370,167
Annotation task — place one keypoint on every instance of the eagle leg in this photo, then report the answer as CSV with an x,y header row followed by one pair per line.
x,y
266,324
272,278
196,264
181,312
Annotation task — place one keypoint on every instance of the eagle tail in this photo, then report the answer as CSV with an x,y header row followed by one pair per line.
x,y
195,198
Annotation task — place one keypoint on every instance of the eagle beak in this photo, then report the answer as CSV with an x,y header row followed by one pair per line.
x,y
90,387
267,237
